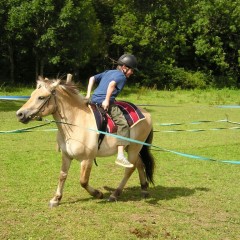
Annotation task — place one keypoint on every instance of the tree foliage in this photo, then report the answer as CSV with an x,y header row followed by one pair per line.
x,y
185,44
63,34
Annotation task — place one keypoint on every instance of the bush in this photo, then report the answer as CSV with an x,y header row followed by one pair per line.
x,y
229,80
188,80
168,77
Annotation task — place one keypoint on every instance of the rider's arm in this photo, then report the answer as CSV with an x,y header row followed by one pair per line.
x,y
90,85
111,88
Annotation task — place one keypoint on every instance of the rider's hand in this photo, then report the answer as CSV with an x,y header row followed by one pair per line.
x,y
105,104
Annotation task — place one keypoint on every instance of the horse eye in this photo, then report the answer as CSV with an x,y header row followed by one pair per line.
x,y
41,98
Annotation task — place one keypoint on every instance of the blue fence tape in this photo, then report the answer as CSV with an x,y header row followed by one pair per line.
x,y
196,130
15,98
129,139
229,106
194,122
141,105
167,150
30,129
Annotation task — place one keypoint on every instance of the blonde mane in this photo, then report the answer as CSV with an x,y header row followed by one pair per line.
x,y
65,87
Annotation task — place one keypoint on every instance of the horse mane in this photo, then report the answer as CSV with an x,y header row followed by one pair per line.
x,y
66,86
70,87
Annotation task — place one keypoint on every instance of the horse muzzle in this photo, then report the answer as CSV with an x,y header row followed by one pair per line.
x,y
24,116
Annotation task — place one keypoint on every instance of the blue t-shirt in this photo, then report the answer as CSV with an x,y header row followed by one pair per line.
x,y
103,79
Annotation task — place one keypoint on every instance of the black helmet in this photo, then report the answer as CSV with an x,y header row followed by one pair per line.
x,y
128,60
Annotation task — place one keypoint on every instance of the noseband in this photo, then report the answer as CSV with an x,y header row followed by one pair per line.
x,y
41,108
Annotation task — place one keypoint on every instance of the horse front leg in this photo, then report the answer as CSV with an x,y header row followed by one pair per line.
x,y
86,167
66,162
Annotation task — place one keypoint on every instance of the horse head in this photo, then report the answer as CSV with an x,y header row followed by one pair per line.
x,y
41,102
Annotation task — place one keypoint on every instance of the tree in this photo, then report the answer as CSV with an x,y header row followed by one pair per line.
x,y
170,37
150,31
185,44
216,29
65,33
7,43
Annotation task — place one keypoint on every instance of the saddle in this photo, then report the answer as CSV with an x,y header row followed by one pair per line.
x,y
105,123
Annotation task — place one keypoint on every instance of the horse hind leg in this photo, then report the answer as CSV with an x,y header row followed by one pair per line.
x,y
66,162
142,177
128,172
145,163
146,166
132,157
86,166
114,196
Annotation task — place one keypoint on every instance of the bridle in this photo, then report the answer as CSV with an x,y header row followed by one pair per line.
x,y
44,104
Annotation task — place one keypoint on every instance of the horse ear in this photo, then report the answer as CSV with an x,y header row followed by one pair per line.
x,y
38,84
39,81
40,78
69,78
55,84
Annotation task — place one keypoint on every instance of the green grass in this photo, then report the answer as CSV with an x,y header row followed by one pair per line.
x,y
191,199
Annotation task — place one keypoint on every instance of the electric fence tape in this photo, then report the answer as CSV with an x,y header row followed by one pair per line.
x,y
197,130
14,98
30,129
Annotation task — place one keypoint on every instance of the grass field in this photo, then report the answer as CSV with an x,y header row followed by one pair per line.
x,y
191,199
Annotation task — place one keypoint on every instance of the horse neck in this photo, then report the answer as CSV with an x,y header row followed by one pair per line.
x,y
70,109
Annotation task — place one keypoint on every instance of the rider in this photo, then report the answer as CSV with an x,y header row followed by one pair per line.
x,y
110,83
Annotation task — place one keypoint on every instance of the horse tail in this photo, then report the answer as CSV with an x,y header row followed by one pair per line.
x,y
148,159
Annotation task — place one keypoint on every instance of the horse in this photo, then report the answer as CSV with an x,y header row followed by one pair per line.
x,y
74,119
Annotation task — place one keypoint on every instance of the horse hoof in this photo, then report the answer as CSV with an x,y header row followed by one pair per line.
x,y
53,204
112,199
145,194
99,195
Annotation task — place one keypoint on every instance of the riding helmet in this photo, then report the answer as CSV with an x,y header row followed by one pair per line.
x,y
128,60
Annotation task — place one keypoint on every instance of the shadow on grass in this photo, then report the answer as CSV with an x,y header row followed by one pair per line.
x,y
157,194
167,193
